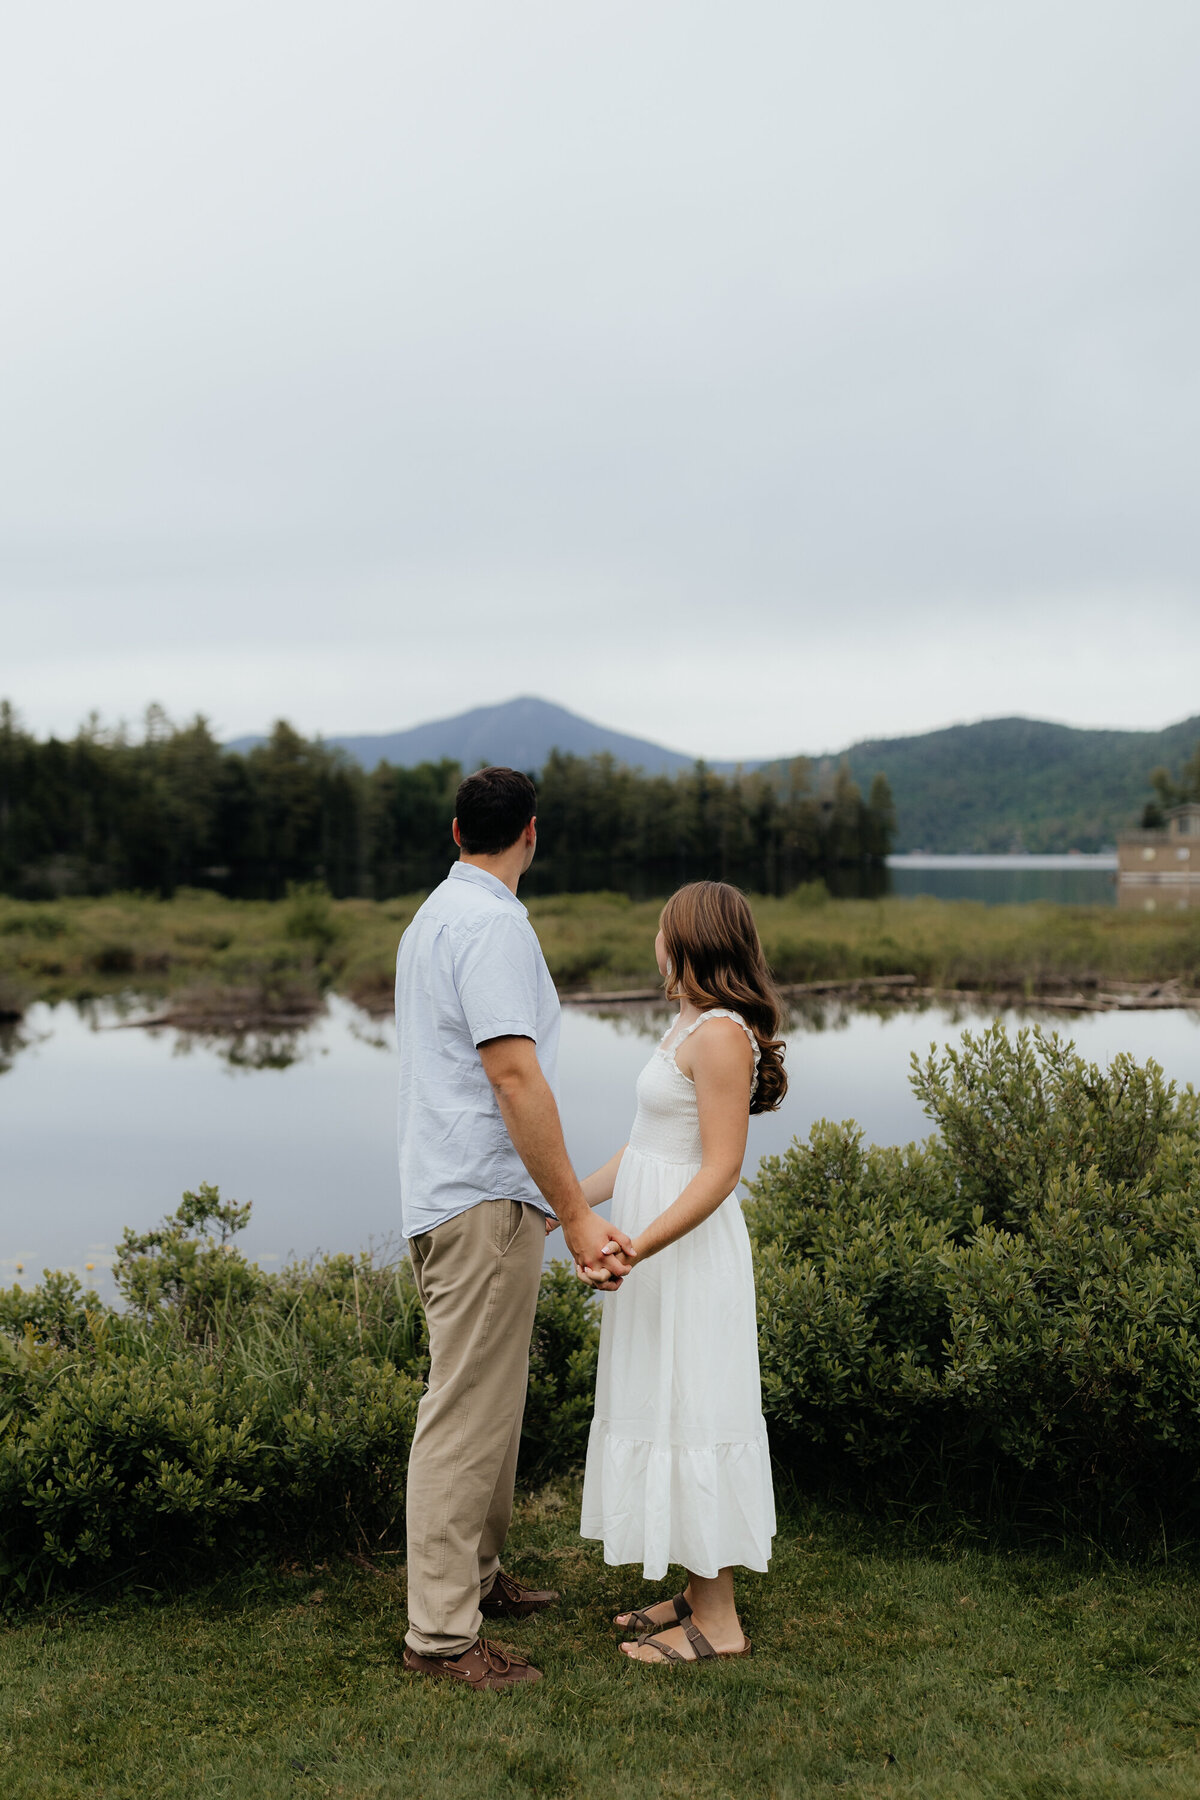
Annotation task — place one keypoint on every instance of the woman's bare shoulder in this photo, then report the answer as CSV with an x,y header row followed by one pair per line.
x,y
718,1046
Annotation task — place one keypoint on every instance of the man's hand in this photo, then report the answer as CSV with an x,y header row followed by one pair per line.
x,y
603,1282
596,1245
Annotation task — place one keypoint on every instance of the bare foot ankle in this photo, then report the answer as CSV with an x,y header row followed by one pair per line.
x,y
673,1643
725,1633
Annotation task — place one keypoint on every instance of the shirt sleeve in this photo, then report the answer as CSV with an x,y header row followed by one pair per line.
x,y
496,976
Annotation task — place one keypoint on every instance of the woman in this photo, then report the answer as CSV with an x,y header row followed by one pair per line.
x,y
678,1469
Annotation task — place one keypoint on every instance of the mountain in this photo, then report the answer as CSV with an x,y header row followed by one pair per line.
x,y
519,734
986,786
1003,782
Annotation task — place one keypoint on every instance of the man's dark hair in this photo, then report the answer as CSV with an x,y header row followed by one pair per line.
x,y
493,807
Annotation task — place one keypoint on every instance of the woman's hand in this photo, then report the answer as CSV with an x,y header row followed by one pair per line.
x,y
600,1279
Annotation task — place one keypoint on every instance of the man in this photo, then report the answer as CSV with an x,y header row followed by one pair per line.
x,y
483,1167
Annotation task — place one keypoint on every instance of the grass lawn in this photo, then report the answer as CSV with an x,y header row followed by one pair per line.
x,y
878,1671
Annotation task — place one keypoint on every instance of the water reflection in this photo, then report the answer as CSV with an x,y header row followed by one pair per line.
x,y
239,1042
13,1039
104,1125
1006,880
639,1019
251,1049
815,1013
11,1042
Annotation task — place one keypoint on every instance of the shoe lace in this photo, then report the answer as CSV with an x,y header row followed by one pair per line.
x,y
498,1659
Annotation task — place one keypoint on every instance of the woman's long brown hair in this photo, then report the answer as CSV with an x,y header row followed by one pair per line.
x,y
716,959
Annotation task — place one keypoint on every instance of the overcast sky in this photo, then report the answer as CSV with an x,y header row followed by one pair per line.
x,y
752,376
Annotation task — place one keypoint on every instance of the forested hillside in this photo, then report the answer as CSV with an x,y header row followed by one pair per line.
x,y
1024,783
988,786
101,811
175,809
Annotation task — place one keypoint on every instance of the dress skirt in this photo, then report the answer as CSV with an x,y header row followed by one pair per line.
x,y
678,1466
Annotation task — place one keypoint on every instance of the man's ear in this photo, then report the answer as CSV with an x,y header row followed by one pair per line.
x,y
454,832
531,830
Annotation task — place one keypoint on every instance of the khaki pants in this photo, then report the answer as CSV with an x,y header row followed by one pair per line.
x,y
478,1278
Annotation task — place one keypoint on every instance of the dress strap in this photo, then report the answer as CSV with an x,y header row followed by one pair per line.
x,y
723,1012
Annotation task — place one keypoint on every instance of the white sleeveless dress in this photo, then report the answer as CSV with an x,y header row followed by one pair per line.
x,y
678,1468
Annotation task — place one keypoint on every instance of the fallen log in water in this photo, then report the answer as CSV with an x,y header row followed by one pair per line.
x,y
796,990
1146,997
233,1011
792,990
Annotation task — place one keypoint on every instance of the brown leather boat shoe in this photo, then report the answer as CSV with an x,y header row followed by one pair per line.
x,y
507,1599
484,1665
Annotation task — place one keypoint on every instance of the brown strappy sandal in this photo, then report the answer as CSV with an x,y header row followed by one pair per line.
x,y
644,1626
700,1644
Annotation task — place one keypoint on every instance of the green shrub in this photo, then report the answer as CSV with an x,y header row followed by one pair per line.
x,y
310,918
808,959
114,959
34,923
57,1311
1009,1313
1012,1112
150,1455
808,894
183,1266
229,1412
225,1412
562,1375
572,967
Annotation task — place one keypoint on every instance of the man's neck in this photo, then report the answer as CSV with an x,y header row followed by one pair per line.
x,y
507,868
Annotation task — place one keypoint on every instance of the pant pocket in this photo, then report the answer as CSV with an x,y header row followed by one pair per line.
x,y
510,1224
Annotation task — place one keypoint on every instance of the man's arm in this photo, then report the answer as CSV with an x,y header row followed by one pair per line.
x,y
531,1117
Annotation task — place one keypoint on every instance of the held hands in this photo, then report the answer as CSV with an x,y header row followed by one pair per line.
x,y
603,1256
603,1282
599,1279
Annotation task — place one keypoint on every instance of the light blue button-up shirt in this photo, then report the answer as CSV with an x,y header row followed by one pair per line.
x,y
469,968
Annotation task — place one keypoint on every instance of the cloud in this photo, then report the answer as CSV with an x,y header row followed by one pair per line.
x,y
834,365
754,682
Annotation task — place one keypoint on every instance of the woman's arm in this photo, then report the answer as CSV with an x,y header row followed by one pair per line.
x,y
721,1064
598,1186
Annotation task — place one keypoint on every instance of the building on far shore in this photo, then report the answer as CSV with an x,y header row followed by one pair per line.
x,y
1161,868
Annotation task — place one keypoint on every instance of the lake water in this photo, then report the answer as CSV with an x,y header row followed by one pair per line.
x,y
1083,880
103,1127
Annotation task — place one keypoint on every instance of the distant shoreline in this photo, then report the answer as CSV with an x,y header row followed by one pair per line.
x,y
1104,860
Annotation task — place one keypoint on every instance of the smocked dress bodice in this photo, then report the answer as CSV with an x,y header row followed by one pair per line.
x,y
667,1124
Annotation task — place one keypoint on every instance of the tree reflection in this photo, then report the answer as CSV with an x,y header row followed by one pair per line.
x,y
252,1049
13,1039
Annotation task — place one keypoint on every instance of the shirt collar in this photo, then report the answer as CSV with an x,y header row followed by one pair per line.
x,y
461,871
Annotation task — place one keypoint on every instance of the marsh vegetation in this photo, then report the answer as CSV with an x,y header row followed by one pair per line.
x,y
202,955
